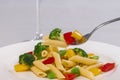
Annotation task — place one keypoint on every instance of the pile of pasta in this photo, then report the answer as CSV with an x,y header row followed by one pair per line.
x,y
68,62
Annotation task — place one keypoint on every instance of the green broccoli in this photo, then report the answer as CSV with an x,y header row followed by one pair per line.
x,y
62,52
51,75
21,59
75,70
38,50
26,59
55,34
80,52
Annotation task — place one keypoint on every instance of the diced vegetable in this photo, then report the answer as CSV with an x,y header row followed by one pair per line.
x,y
50,60
94,57
38,50
51,75
69,53
21,67
21,59
76,71
82,40
90,54
26,59
77,35
55,34
80,52
95,71
107,67
70,76
62,52
68,38
31,52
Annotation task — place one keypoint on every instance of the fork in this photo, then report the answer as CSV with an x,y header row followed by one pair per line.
x,y
88,35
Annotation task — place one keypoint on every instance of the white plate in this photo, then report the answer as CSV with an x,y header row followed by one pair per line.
x,y
9,56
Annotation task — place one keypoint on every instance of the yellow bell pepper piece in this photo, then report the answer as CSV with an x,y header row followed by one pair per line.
x,y
91,54
82,40
77,35
69,53
21,67
95,71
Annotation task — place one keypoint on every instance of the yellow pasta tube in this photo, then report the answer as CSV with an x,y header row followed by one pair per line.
x,y
86,73
38,72
55,43
44,53
67,63
58,62
94,66
40,65
59,75
83,60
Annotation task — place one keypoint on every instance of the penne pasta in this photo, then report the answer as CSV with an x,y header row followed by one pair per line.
x,y
83,60
86,73
58,62
40,65
94,66
55,43
67,63
59,75
38,72
44,53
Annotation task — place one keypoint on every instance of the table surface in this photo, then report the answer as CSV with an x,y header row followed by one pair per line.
x,y
18,19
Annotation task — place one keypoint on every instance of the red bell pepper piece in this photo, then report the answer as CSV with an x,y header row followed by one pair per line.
x,y
70,76
50,60
68,38
107,67
31,52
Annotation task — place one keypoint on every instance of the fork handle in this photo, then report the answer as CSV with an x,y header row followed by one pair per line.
x,y
104,23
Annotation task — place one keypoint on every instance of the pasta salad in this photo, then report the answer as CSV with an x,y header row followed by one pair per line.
x,y
48,61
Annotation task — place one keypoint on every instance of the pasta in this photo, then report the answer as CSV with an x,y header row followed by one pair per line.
x,y
68,63
44,53
40,65
83,60
38,72
54,61
86,73
58,62
94,66
55,43
51,59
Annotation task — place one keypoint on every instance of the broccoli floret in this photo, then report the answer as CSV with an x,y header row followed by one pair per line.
x,y
38,50
21,59
80,52
62,52
51,75
26,59
76,71
55,34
